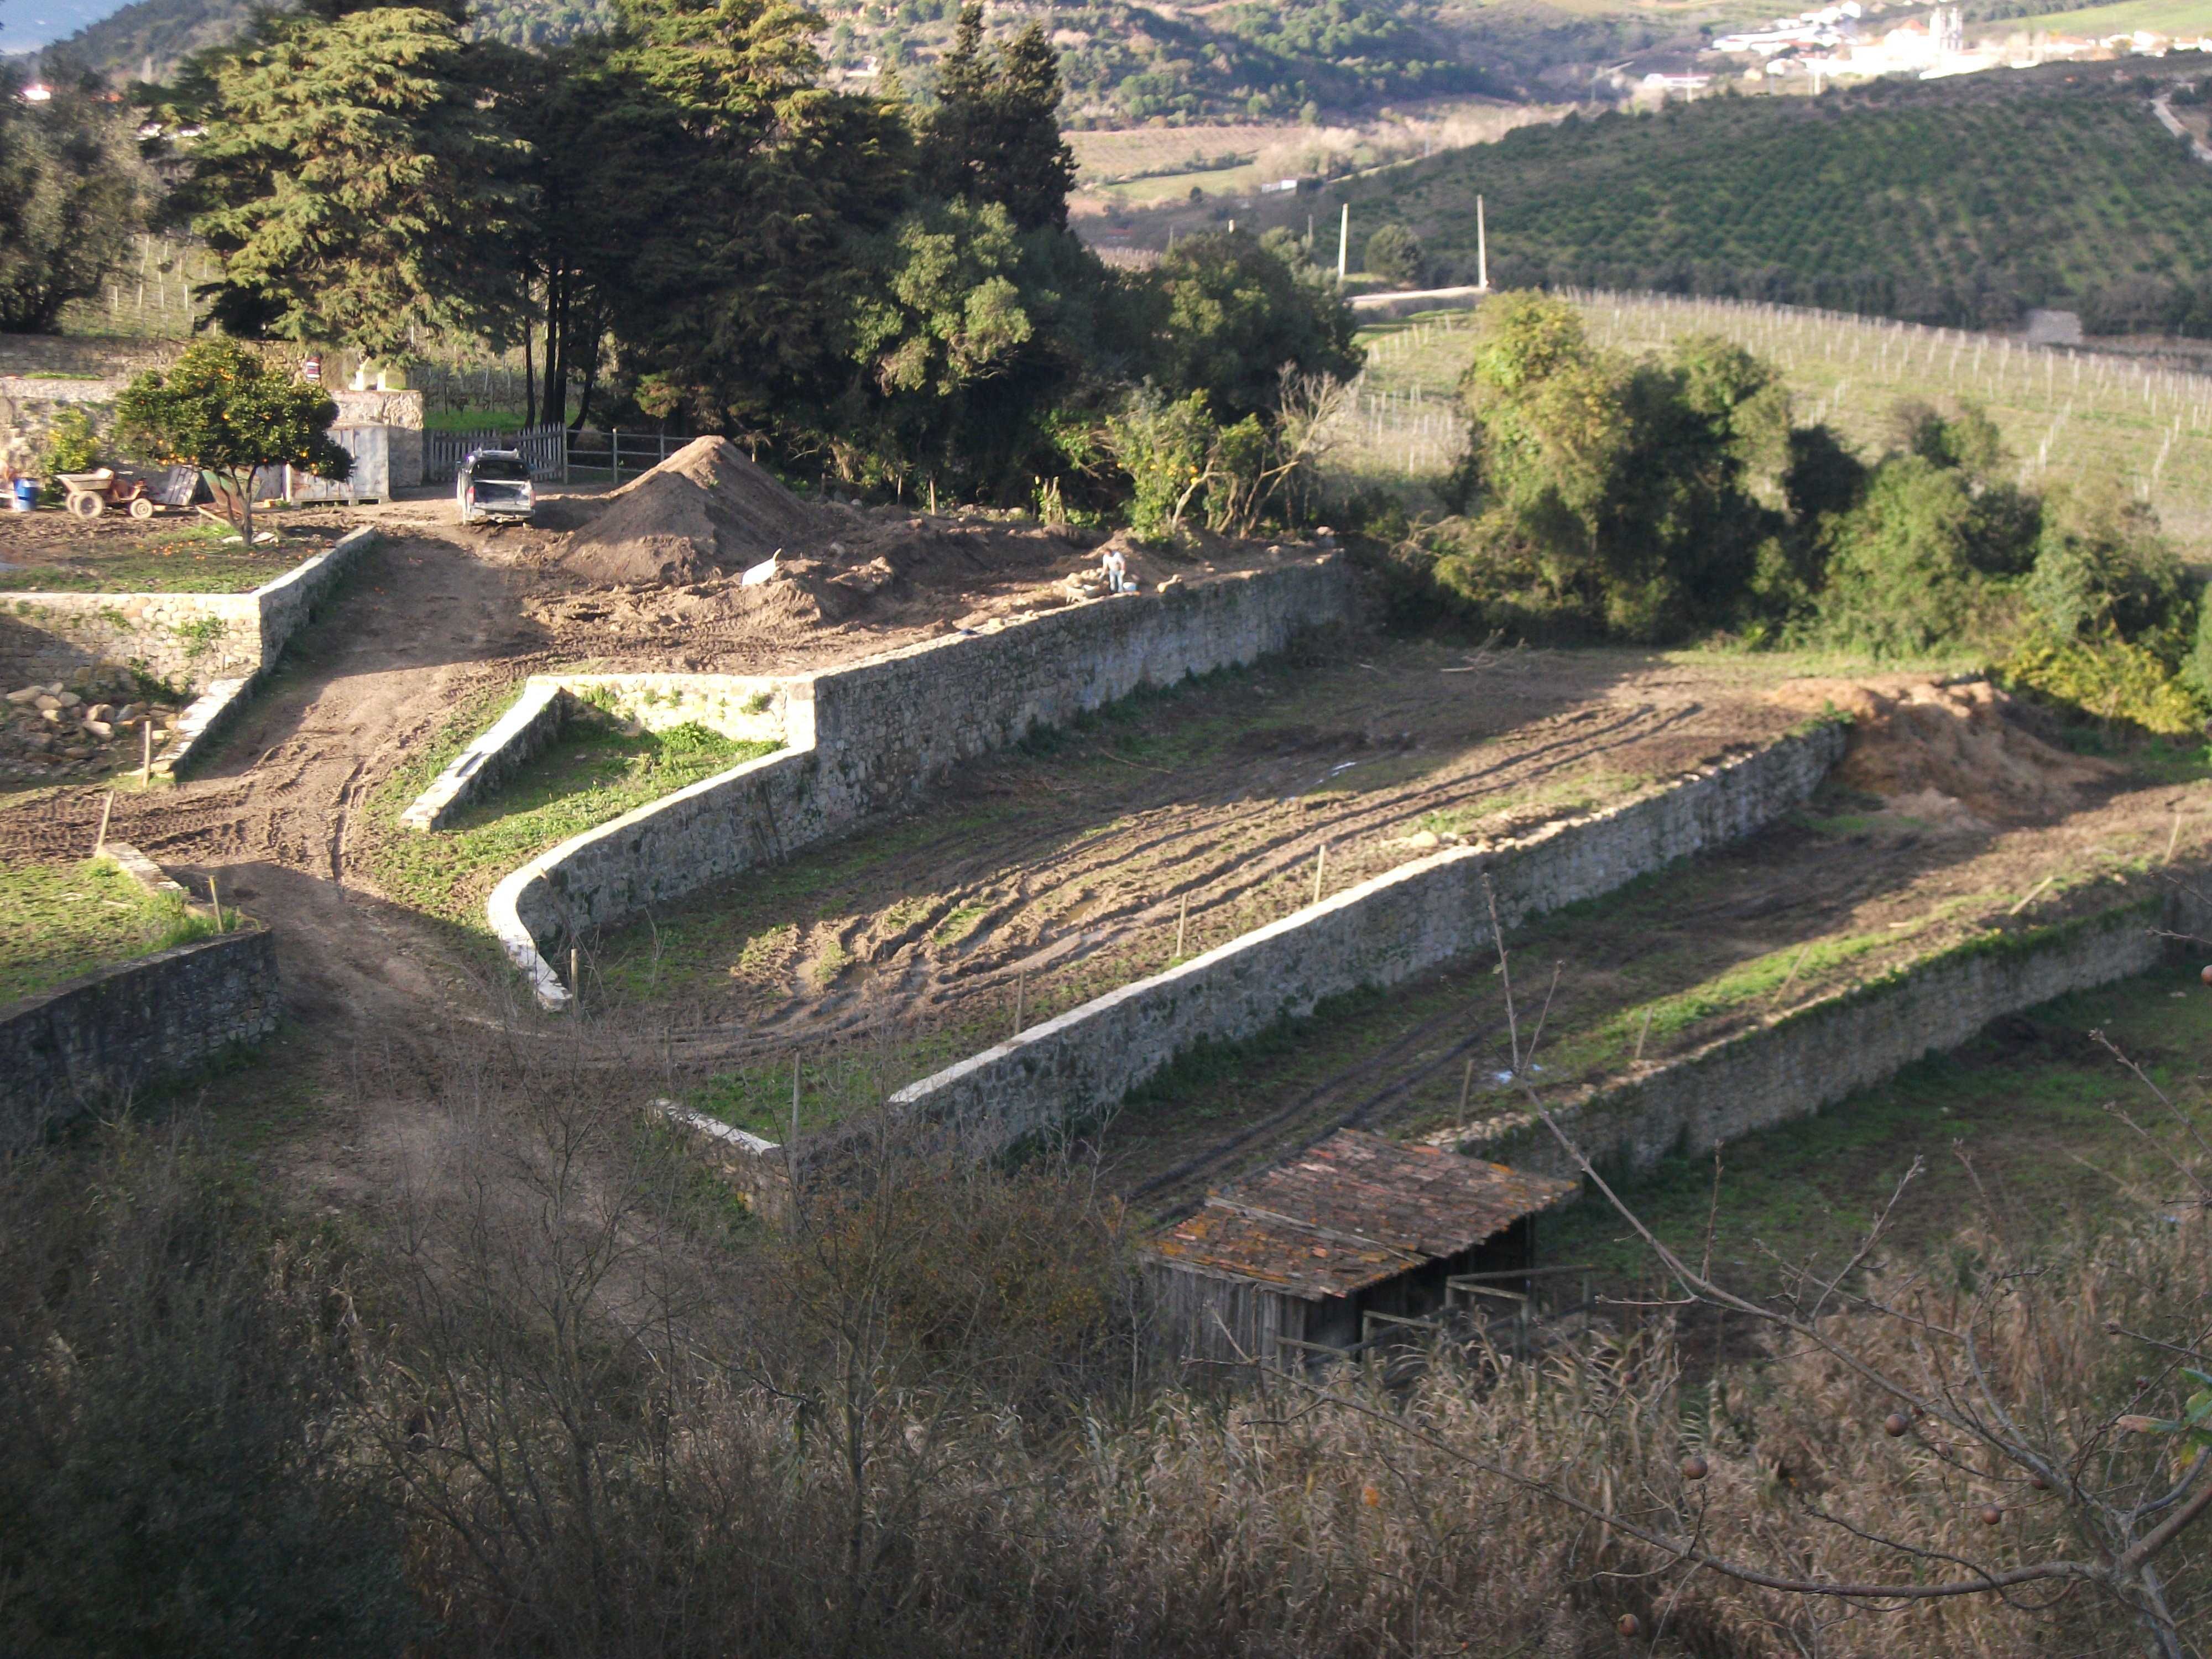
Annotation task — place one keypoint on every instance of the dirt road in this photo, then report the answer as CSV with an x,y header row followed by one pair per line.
x,y
422,622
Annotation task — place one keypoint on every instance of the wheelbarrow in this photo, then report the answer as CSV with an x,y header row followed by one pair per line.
x,y
91,493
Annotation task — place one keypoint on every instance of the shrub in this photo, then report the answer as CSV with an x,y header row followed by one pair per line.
x,y
2109,677
1395,252
2100,564
1162,447
1901,577
72,443
173,1479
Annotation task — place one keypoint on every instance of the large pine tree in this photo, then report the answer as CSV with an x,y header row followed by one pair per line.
x,y
349,180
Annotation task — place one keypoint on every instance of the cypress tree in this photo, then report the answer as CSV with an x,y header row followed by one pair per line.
x,y
995,136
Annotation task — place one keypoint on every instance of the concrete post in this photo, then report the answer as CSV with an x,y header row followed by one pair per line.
x,y
1343,241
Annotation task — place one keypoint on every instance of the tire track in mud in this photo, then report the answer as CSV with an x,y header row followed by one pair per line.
x,y
1058,898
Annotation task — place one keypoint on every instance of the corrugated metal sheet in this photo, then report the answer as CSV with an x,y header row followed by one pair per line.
x,y
1352,1211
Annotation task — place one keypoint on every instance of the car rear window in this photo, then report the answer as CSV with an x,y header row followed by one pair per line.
x,y
500,469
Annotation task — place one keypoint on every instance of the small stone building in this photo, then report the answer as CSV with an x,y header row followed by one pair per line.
x,y
1291,1260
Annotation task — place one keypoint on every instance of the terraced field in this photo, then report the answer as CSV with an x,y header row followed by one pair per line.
x,y
1038,880
1682,959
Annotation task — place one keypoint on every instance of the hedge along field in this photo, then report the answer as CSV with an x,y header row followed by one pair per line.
x,y
1950,202
2065,414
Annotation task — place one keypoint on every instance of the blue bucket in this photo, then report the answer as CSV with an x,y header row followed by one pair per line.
x,y
26,494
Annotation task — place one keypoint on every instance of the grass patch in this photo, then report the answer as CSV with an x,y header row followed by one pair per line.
x,y
1580,793
190,559
597,771
832,1087
64,920
2012,1131
473,420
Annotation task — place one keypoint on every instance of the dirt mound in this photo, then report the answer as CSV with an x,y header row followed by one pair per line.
x,y
1950,755
704,511
871,578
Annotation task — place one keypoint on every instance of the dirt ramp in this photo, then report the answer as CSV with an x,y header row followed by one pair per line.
x,y
702,512
1948,754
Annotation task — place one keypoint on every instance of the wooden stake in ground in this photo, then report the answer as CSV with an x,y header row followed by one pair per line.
x,y
146,766
1183,922
575,979
215,904
794,1100
1320,864
1019,976
1643,1034
1466,1088
2171,839
100,841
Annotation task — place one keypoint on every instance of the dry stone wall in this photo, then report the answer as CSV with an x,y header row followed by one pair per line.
x,y
93,1041
1817,1055
188,639
1385,931
862,739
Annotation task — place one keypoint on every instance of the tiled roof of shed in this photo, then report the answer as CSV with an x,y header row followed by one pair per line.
x,y
1351,1211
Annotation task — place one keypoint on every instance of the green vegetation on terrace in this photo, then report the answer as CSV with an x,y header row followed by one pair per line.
x,y
64,920
597,770
186,559
2017,1123
1960,202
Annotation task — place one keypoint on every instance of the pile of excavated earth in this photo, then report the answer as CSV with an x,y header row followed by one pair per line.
x,y
707,564
87,723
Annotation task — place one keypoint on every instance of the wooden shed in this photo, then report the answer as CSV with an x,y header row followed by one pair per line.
x,y
1290,1261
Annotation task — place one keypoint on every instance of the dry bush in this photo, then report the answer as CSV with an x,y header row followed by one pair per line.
x,y
176,1472
617,1416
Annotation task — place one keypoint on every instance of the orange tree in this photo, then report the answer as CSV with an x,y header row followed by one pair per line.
x,y
219,407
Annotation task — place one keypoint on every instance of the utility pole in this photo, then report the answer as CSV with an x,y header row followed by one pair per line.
x,y
1481,250
1343,242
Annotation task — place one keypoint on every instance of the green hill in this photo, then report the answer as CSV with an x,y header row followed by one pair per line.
x,y
1960,202
1127,61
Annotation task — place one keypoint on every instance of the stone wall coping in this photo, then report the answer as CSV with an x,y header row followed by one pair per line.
x,y
62,388
140,868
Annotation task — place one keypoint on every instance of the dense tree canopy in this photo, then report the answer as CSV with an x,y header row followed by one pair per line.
x,y
71,197
1228,314
680,218
350,178
1617,490
994,135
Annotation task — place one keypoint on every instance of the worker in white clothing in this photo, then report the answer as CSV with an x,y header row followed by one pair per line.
x,y
1116,570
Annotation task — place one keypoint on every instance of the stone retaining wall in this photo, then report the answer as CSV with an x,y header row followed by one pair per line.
x,y
862,739
92,1042
1382,931
188,639
1820,1054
